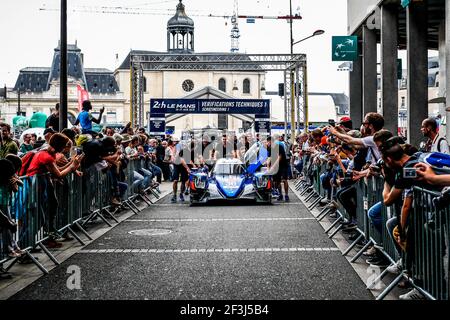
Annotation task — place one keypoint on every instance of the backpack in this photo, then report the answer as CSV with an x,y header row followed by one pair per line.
x,y
26,161
439,144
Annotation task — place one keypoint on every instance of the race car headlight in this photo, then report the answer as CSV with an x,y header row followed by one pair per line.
x,y
200,183
262,181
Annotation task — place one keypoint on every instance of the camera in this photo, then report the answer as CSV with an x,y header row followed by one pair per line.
x,y
332,139
378,166
409,173
332,122
443,201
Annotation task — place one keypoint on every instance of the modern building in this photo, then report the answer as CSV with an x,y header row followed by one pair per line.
x,y
385,28
207,83
37,89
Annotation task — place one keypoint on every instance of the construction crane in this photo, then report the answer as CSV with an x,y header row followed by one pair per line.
x,y
235,32
123,10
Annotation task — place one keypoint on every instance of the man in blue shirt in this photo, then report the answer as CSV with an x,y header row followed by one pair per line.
x,y
85,118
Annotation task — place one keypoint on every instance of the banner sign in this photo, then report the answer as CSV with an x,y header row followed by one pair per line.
x,y
82,95
206,106
157,125
405,3
262,123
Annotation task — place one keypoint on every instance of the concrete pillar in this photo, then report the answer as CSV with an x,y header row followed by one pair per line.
x,y
442,67
447,62
356,110
369,70
416,25
389,54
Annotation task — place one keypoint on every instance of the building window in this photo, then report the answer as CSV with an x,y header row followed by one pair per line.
x,y
246,86
222,85
144,84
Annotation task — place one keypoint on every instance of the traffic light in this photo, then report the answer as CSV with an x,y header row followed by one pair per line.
x,y
281,89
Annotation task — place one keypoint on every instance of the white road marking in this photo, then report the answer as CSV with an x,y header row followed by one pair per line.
x,y
218,250
218,220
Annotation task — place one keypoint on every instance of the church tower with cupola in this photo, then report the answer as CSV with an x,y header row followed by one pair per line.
x,y
180,32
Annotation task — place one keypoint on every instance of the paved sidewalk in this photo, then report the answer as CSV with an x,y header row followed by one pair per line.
x,y
24,275
360,266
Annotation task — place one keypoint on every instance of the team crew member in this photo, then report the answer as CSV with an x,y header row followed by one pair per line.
x,y
181,173
280,169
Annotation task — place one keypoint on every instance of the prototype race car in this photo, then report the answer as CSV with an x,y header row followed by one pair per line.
x,y
230,180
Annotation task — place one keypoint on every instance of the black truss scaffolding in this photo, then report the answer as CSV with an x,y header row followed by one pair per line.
x,y
290,64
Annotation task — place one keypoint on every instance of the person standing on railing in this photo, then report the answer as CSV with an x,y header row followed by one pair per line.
x,y
435,142
85,118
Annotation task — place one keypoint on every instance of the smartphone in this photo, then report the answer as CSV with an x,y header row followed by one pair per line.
x,y
409,173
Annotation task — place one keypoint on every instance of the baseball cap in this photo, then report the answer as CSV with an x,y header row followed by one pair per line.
x,y
345,119
49,130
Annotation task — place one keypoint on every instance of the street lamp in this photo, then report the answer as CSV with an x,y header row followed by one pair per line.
x,y
305,88
316,33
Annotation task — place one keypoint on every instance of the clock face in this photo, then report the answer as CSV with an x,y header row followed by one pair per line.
x,y
188,85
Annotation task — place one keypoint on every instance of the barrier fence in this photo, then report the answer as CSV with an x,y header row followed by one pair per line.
x,y
425,260
44,207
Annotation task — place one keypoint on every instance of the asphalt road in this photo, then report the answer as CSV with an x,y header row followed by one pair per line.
x,y
223,251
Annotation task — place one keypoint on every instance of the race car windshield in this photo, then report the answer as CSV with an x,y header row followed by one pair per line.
x,y
229,169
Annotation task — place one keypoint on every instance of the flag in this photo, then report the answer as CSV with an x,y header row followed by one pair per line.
x,y
83,95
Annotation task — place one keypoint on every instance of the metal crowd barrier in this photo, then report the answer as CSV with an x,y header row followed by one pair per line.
x,y
79,201
426,262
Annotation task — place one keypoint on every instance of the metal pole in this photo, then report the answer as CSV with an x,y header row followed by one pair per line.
x,y
63,68
292,82
285,104
18,101
131,89
297,98
447,65
305,96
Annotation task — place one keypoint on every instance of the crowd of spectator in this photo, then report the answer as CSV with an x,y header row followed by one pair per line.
x,y
348,154
351,155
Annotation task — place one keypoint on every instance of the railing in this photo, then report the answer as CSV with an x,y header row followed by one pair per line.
x,y
43,207
425,264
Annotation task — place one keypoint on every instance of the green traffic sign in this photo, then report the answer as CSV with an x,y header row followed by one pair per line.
x,y
405,3
345,48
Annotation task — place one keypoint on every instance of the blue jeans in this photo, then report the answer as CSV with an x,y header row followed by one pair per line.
x,y
325,181
157,172
299,166
374,214
390,225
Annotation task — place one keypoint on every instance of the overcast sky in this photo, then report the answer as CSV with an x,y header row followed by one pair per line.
x,y
30,34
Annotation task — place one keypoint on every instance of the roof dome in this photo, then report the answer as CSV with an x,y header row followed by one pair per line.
x,y
180,19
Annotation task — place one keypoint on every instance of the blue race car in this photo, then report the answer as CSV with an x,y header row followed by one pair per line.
x,y
230,180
